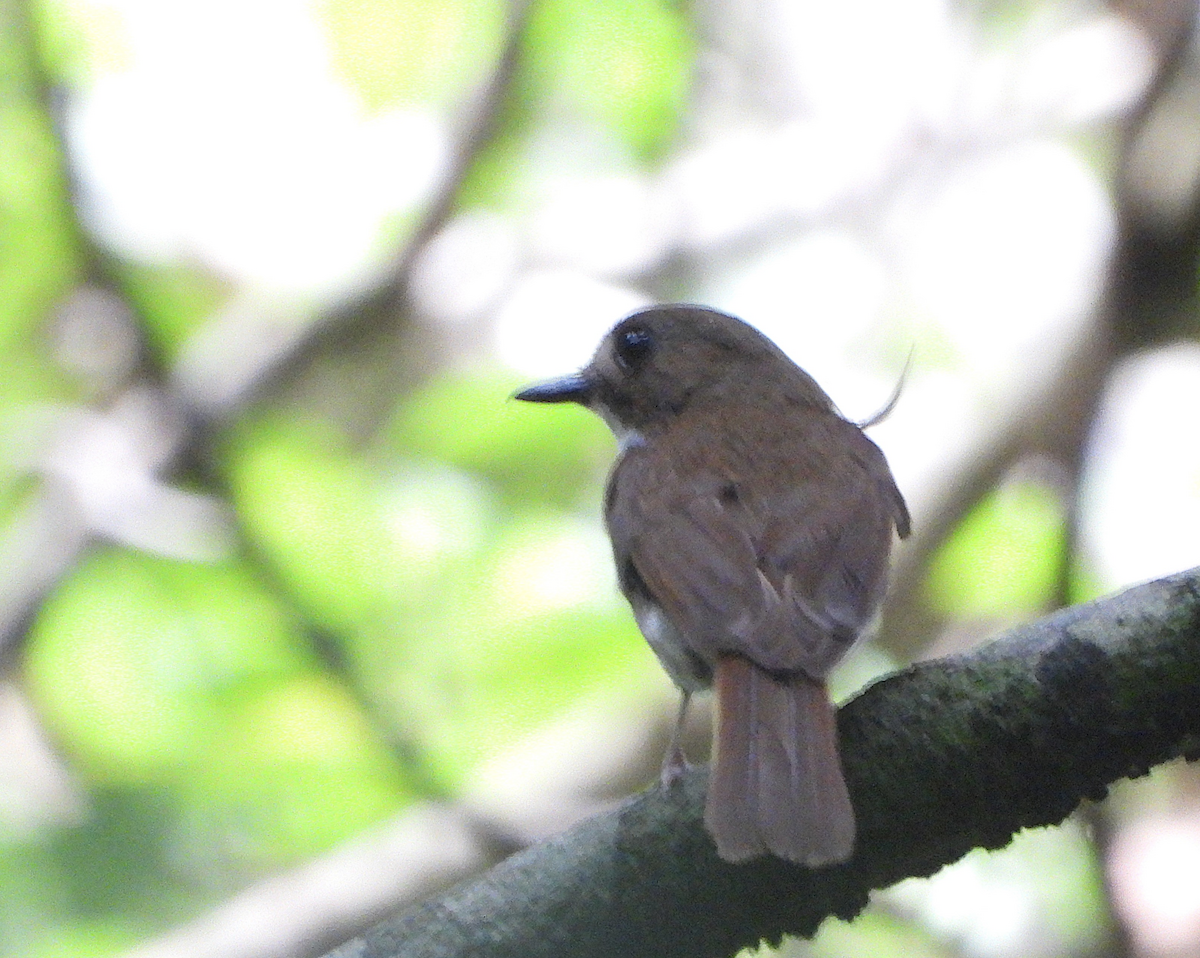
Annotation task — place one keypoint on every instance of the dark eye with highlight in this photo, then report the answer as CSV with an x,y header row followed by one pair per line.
x,y
634,344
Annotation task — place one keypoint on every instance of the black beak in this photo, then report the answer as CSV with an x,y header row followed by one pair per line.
x,y
574,388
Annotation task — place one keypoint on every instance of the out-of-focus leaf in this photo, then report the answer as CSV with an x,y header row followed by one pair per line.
x,y
402,52
625,64
1003,559
29,376
608,79
876,934
37,234
295,768
97,937
536,627
128,658
173,301
466,710
495,180
34,894
1086,584
469,421
194,680
80,39
39,255
39,262
320,517
115,862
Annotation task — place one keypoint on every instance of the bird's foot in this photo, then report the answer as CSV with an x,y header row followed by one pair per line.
x,y
673,767
675,763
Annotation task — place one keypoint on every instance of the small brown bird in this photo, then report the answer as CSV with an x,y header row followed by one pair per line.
x,y
751,526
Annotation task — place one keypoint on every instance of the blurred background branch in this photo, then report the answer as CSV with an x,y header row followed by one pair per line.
x,y
369,329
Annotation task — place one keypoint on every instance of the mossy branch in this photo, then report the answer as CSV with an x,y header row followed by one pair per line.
x,y
941,757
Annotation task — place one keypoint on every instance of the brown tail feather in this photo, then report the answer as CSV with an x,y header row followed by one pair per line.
x,y
776,783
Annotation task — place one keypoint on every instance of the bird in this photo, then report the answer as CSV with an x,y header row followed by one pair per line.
x,y
751,526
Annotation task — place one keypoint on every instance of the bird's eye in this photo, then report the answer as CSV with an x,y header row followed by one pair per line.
x,y
634,345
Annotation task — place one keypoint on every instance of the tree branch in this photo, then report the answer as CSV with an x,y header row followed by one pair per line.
x,y
941,757
368,325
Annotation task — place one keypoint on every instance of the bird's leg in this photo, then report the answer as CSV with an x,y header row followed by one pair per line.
x,y
675,762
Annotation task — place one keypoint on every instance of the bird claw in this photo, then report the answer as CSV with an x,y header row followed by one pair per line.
x,y
673,767
675,763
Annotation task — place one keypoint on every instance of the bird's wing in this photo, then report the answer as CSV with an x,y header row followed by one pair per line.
x,y
788,578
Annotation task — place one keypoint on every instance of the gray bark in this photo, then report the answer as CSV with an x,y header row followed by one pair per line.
x,y
941,757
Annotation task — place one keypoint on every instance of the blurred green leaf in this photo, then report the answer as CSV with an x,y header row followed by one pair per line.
x,y
94,938
80,39
40,258
192,681
1086,583
496,179
600,84
29,377
1004,558
39,254
625,64
319,515
35,894
465,710
412,50
875,934
115,865
97,887
128,658
172,301
472,631
536,626
532,454
295,769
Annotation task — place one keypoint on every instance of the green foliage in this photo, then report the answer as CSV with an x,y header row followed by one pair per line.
x,y
317,514
101,935
415,50
79,39
467,420
308,770
877,934
133,654
96,888
28,377
172,300
39,255
624,64
213,743
1004,558
531,628
595,79
468,623
194,679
